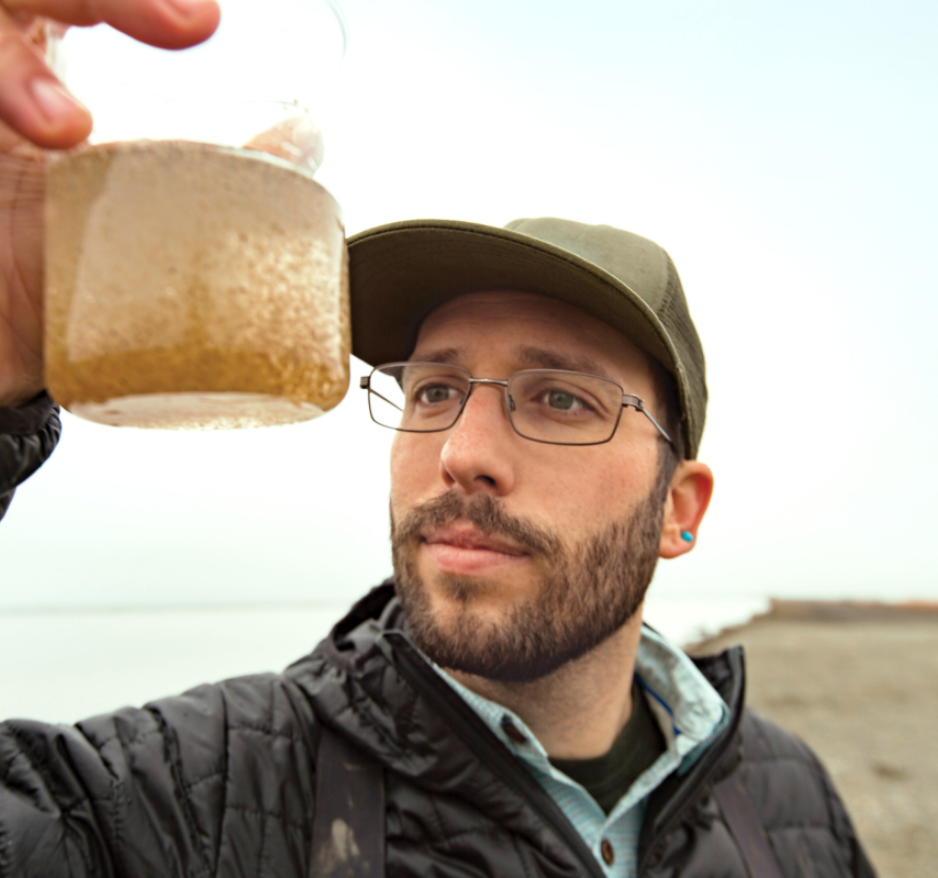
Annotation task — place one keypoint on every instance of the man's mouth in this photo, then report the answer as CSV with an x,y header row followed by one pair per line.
x,y
467,550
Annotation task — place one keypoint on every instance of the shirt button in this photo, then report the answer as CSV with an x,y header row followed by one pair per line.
x,y
513,732
609,855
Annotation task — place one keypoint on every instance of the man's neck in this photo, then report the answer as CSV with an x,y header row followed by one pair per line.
x,y
578,711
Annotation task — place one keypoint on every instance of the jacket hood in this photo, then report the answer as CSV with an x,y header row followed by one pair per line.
x,y
360,682
368,683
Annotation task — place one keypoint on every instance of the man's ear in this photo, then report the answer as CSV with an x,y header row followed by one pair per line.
x,y
687,501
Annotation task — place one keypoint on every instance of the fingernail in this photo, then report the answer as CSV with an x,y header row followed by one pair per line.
x,y
186,7
52,98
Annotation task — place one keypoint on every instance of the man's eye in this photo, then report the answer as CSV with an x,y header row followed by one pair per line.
x,y
560,399
435,394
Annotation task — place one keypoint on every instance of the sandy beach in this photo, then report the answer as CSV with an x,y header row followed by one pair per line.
x,y
859,683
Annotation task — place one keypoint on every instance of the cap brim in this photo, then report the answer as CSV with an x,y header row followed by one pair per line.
x,y
400,272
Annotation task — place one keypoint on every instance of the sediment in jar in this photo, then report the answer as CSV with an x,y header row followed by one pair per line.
x,y
181,268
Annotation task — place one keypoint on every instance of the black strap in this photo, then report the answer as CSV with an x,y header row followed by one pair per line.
x,y
348,826
740,815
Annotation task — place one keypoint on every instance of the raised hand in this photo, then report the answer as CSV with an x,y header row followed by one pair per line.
x,y
36,114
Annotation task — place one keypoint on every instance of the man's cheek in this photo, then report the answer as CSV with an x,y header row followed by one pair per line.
x,y
413,463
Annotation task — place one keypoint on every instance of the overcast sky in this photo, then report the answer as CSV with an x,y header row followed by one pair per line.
x,y
784,154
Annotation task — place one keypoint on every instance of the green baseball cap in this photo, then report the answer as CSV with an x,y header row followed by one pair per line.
x,y
401,271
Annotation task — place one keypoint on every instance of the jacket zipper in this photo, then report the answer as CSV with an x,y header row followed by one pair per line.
x,y
714,757
490,750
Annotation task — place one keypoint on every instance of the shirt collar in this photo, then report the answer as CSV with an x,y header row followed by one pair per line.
x,y
689,710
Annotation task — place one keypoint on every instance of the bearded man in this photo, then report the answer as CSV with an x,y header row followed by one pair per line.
x,y
497,708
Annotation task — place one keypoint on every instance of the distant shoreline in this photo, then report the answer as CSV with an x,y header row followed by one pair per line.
x,y
241,606
785,610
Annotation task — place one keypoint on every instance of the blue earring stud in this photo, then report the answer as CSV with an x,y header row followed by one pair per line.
x,y
687,536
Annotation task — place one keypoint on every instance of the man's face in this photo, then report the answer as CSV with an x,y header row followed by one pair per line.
x,y
511,556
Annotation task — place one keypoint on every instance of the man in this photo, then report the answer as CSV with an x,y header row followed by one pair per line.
x,y
498,708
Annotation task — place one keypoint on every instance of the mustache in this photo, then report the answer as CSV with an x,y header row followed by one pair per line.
x,y
483,511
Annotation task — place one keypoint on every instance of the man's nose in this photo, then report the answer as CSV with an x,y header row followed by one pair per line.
x,y
479,451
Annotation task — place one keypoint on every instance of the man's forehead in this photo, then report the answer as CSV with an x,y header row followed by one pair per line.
x,y
526,356
523,311
534,330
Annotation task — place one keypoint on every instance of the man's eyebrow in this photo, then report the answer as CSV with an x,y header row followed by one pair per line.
x,y
539,358
449,356
529,357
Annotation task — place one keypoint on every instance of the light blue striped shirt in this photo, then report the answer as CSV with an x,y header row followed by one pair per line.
x,y
690,713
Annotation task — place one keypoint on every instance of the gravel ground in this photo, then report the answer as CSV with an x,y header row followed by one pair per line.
x,y
859,683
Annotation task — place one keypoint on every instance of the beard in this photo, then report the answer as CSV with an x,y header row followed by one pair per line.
x,y
590,591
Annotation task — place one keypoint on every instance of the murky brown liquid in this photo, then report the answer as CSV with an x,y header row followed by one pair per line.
x,y
189,285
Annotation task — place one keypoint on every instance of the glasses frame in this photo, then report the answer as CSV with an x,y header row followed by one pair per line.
x,y
629,400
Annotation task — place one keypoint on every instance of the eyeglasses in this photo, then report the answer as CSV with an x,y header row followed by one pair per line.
x,y
544,405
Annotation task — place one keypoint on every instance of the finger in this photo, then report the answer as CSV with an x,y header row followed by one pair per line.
x,y
297,140
169,24
32,101
35,104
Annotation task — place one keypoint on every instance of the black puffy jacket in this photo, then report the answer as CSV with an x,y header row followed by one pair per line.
x,y
28,436
220,781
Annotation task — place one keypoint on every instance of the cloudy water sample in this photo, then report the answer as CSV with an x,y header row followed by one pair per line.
x,y
193,285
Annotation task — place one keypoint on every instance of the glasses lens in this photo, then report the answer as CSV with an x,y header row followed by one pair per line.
x,y
418,397
567,408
